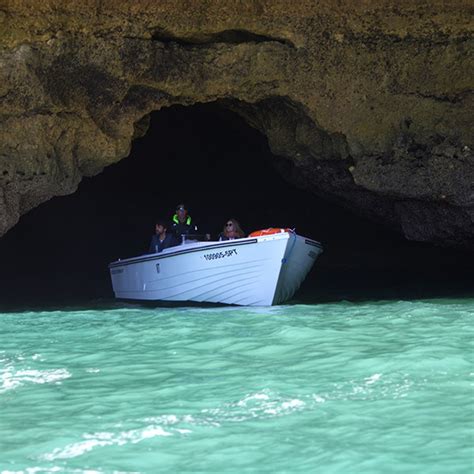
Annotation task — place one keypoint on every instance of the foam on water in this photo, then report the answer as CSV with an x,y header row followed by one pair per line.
x,y
337,388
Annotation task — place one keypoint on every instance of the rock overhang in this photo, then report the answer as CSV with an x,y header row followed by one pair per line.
x,y
368,106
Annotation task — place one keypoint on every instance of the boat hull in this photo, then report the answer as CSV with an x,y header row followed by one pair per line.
x,y
258,271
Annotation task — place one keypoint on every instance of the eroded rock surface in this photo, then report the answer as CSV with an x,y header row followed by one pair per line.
x,y
367,105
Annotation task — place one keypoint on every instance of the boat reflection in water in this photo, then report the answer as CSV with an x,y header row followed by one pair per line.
x,y
261,270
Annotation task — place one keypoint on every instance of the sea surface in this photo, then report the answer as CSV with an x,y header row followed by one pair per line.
x,y
343,387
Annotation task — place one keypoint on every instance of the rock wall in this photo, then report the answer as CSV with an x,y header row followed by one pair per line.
x,y
368,104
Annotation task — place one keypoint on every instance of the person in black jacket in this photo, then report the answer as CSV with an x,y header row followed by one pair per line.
x,y
162,239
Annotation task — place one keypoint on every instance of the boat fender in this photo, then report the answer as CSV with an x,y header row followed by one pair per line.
x,y
269,231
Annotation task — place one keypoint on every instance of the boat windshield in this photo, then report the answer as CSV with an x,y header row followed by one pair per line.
x,y
192,238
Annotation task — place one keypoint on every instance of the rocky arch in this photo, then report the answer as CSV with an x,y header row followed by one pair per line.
x,y
368,106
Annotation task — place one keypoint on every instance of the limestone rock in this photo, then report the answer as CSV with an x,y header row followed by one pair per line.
x,y
367,104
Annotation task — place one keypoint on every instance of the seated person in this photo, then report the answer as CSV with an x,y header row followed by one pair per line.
x,y
231,231
161,240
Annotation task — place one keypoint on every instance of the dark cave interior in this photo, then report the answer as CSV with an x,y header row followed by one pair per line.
x,y
220,167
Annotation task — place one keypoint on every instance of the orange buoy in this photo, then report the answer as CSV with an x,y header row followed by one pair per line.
x,y
269,231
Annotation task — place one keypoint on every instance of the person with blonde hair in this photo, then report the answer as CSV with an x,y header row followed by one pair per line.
x,y
232,230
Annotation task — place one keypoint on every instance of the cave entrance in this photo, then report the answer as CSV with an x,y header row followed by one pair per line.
x,y
208,157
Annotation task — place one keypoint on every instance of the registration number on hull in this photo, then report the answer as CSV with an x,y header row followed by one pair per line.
x,y
222,254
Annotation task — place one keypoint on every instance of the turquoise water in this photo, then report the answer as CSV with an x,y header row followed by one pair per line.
x,y
335,388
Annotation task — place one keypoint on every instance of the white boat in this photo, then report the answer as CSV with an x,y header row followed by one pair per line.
x,y
253,271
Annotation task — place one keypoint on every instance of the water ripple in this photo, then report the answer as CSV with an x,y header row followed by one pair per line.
x,y
345,387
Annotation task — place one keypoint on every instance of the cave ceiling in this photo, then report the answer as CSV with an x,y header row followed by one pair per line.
x,y
368,105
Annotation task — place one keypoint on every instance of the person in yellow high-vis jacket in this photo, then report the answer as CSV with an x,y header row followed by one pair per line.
x,y
182,223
